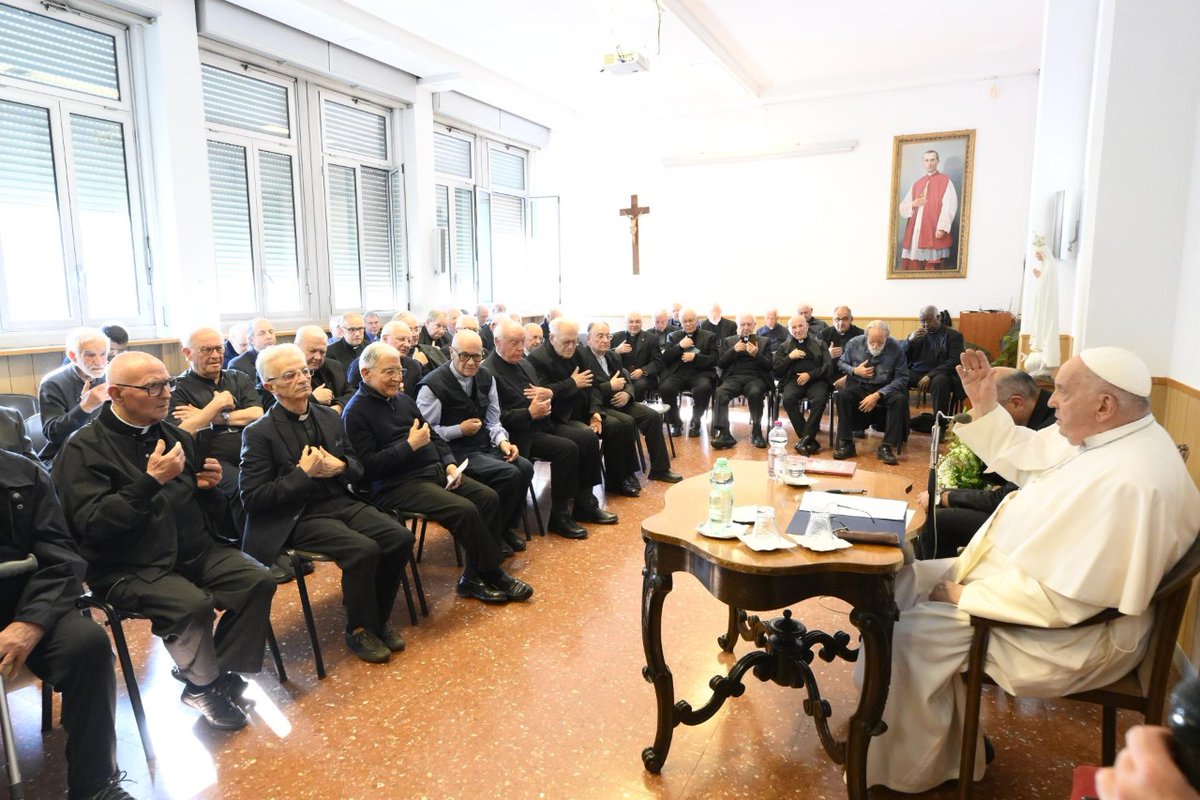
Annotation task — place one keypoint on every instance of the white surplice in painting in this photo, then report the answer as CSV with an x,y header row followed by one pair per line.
x,y
1092,527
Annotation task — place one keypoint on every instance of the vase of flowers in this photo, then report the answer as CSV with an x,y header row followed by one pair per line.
x,y
960,468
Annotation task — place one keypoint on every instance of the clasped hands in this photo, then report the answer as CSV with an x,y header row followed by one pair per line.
x,y
221,401
317,462
165,465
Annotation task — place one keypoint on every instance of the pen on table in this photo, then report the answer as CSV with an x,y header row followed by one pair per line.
x,y
846,491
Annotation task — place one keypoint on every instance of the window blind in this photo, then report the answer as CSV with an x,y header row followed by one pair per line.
x,y
280,264
451,155
377,273
343,237
232,249
54,53
506,170
354,131
240,101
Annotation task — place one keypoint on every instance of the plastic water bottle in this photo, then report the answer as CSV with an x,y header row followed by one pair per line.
x,y
777,451
720,495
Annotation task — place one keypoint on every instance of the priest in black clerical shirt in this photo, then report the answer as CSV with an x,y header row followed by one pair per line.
x,y
689,362
572,449
639,354
350,346
297,467
71,396
745,370
803,369
398,335
157,538
408,465
719,326
841,331
328,381
262,336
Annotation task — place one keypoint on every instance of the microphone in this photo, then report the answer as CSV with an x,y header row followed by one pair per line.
x,y
1184,721
963,418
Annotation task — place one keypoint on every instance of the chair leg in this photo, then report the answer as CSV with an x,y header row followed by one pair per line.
x,y
420,589
47,707
131,686
309,622
966,761
537,511
10,745
273,646
670,438
641,451
408,598
420,539
1108,736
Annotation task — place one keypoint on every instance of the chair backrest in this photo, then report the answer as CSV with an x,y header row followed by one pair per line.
x,y
1169,604
33,429
24,404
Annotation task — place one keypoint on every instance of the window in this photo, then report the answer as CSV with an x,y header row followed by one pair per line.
x,y
252,168
453,161
365,207
71,225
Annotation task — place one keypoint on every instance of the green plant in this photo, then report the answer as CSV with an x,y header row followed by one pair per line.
x,y
1008,346
960,467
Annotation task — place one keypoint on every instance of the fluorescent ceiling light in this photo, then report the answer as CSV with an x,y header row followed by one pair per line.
x,y
802,149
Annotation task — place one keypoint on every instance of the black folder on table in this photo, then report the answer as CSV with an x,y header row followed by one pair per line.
x,y
858,529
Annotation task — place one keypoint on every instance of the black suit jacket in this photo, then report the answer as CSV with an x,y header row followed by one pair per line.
x,y
554,372
511,381
344,353
816,361
645,353
275,491
943,359
740,362
723,329
489,339
705,360
602,383
413,373
12,433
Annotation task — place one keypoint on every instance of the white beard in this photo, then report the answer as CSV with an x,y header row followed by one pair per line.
x,y
874,351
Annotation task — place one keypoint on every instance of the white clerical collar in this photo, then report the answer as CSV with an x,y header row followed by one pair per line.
x,y
1105,437
138,428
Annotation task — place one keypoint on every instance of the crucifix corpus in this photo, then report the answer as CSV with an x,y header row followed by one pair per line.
x,y
633,212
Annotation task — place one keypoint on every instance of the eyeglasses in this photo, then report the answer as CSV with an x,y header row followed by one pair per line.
x,y
152,389
393,372
476,357
355,330
207,350
291,375
841,319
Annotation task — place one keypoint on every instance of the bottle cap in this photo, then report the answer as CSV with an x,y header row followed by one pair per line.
x,y
722,463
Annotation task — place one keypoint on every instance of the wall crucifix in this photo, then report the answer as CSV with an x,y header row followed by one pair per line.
x,y
633,212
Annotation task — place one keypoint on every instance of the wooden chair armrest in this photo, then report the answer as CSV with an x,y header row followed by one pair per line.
x,y
1107,615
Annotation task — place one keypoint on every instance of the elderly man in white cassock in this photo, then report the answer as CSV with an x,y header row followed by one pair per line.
x,y
1105,509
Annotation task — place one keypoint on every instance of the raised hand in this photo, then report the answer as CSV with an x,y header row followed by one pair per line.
x,y
979,382
623,348
93,397
165,466
582,379
418,435
323,395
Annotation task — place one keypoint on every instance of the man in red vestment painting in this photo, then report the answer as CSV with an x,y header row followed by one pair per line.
x,y
929,207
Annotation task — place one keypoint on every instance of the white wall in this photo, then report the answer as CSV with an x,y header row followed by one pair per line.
x,y
1185,365
813,229
1139,177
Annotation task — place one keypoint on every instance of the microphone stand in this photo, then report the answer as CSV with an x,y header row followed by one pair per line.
x,y
929,533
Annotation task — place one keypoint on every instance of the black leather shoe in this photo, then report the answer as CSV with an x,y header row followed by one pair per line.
x,y
989,751
756,438
860,434
887,455
632,487
514,589
693,431
595,514
514,540
675,430
799,445
216,707
564,526
392,639
722,441
811,446
232,684
113,790
665,476
506,549
479,589
367,646
845,450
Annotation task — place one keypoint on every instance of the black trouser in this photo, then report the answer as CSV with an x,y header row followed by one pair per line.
x,y
943,388
955,527
620,449
510,480
371,549
817,393
471,512
75,658
181,606
574,455
228,487
732,386
701,386
642,385
894,406
640,417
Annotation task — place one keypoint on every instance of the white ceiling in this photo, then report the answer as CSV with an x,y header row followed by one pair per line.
x,y
542,58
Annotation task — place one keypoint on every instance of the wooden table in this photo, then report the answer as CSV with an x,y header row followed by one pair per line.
x,y
863,576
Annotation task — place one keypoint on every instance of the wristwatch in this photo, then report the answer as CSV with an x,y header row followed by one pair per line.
x,y
225,418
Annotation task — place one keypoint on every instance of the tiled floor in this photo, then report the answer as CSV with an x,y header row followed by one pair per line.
x,y
537,700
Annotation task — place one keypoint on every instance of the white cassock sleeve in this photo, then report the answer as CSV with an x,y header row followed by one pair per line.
x,y
949,208
1013,596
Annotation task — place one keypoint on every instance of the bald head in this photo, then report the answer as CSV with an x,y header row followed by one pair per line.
x,y
205,351
139,387
929,319
262,333
311,340
466,340
533,337
398,335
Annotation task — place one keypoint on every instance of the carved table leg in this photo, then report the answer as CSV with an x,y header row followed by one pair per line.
x,y
729,638
655,587
874,620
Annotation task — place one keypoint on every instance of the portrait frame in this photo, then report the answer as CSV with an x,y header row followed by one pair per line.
x,y
956,160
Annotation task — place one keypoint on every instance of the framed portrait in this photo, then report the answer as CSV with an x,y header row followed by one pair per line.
x,y
931,205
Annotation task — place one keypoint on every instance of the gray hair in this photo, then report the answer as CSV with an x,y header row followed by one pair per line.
x,y
309,331
374,352
1017,382
878,324
272,354
557,323
78,336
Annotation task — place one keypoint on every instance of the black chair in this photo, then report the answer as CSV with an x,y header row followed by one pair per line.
x,y
113,619
12,569
33,429
297,558
24,404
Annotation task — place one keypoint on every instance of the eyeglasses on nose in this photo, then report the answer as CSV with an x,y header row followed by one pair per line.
x,y
292,374
151,389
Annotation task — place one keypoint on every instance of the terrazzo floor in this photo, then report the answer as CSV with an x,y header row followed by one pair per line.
x,y
537,700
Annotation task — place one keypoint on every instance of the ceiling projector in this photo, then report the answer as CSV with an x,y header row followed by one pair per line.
x,y
624,63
